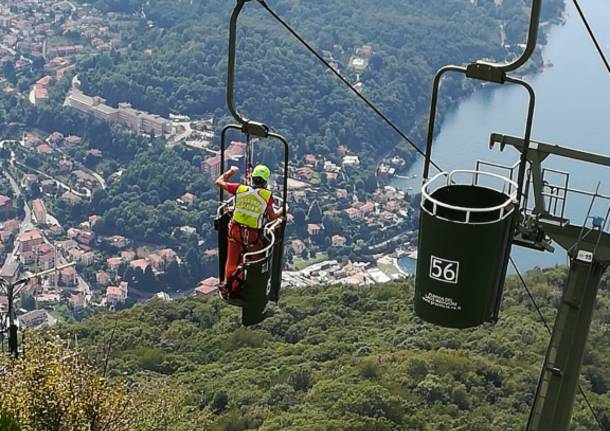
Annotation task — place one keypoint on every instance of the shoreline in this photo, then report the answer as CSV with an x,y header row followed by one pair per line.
x,y
537,66
397,266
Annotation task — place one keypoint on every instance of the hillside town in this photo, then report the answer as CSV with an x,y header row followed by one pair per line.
x,y
316,253
342,227
52,34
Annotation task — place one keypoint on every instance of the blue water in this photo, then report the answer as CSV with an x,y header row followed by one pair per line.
x,y
572,109
407,264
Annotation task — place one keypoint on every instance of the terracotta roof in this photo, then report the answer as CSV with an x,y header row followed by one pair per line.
x,y
140,263
128,255
101,277
68,272
56,136
114,261
88,255
43,149
11,225
213,161
44,249
30,235
367,207
207,286
41,93
187,197
352,211
44,82
235,149
114,291
72,139
37,204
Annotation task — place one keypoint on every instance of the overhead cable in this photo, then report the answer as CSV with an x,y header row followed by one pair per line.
x,y
591,35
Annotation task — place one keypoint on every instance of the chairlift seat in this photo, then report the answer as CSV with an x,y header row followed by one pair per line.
x,y
262,269
464,245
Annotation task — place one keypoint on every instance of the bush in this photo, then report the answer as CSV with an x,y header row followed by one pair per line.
x,y
54,388
219,402
301,379
151,359
8,422
369,369
244,337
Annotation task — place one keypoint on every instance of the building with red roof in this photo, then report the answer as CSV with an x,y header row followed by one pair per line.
x,y
117,294
29,239
139,263
44,149
114,263
338,240
40,211
67,276
209,286
211,166
41,90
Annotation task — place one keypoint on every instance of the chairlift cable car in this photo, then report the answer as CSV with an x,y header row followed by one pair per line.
x,y
261,269
458,285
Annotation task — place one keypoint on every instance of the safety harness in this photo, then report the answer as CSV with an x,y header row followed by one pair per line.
x,y
249,213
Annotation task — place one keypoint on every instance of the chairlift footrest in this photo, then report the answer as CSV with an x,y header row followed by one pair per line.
x,y
527,243
555,221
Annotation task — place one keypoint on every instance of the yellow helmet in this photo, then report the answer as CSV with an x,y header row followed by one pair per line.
x,y
262,172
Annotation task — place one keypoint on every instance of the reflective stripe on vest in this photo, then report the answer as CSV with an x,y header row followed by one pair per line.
x,y
251,206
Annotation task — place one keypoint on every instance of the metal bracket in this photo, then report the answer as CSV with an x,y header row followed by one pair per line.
x,y
530,234
255,128
530,45
486,72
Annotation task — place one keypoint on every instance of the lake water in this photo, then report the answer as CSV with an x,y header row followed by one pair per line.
x,y
572,109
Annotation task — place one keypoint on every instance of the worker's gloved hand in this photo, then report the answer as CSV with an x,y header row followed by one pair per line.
x,y
233,170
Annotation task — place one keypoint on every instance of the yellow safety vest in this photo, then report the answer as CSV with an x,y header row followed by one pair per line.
x,y
251,206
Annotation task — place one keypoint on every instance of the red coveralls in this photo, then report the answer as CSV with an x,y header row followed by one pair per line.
x,y
240,238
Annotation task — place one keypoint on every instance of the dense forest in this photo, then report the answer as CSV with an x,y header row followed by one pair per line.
x,y
177,63
339,358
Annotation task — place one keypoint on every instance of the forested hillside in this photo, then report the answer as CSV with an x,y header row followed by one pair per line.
x,y
177,62
339,358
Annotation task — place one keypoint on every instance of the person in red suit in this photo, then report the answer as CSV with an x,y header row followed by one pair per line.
x,y
253,208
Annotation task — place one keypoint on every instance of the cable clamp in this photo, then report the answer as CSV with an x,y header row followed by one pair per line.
x,y
255,129
486,72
